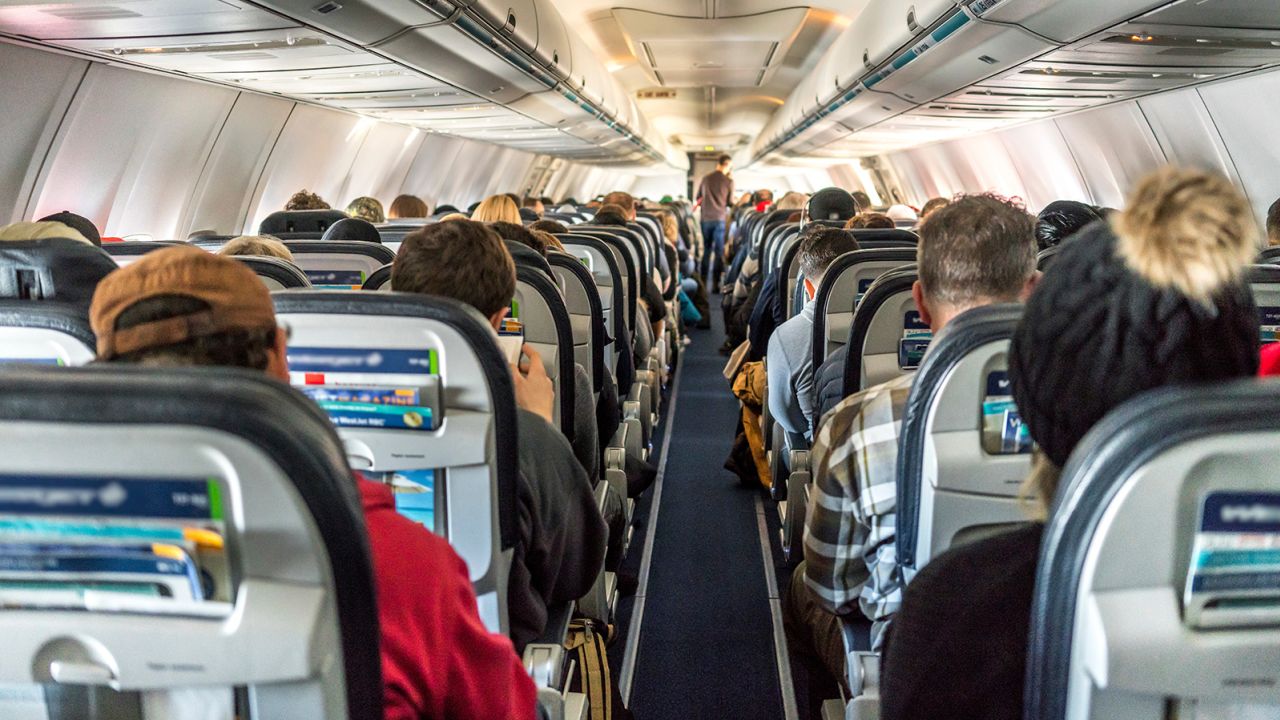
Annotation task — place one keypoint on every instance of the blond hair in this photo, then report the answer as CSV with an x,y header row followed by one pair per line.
x,y
497,208
1041,484
1188,230
454,216
670,228
259,245
791,201
40,231
551,241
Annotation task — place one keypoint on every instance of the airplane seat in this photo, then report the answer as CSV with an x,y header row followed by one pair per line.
x,y
847,279
539,316
524,255
45,290
1156,594
299,224
275,273
338,264
1269,256
226,572
379,279
1264,281
871,238
789,266
212,243
1044,259
964,450
886,338
127,251
586,316
776,243
354,230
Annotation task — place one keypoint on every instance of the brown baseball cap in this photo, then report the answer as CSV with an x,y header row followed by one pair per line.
x,y
237,300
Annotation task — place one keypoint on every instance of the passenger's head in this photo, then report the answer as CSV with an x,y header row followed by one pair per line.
x,y
463,260
367,208
1273,224
791,201
182,306
535,204
551,241
723,163
624,201
670,227
454,216
43,230
819,247
549,226
1061,219
862,199
832,204
978,250
764,196
408,206
610,215
933,204
353,229
259,245
1156,297
306,200
870,221
79,223
497,208
518,233
444,209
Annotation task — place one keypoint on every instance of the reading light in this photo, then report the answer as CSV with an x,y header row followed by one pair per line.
x,y
1142,38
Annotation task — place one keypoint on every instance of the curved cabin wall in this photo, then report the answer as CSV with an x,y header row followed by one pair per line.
x,y
143,153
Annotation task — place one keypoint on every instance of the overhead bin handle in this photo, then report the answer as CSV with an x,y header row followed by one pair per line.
x,y
510,27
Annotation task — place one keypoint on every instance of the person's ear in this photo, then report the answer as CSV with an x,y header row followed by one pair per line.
x,y
809,290
496,319
922,306
1030,286
278,362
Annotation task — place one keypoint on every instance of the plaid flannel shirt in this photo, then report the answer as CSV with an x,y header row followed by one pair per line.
x,y
849,549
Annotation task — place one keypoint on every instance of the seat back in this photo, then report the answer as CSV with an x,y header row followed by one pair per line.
x,y
1156,592
1044,259
847,279
203,551
338,264
1264,280
601,261
627,262
1269,256
42,333
887,338
789,266
586,319
872,238
539,314
300,224
964,451
777,242
380,279
212,243
394,231
275,273
419,389
130,250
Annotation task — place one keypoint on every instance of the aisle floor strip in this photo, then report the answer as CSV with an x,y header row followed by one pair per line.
x,y
789,708
628,670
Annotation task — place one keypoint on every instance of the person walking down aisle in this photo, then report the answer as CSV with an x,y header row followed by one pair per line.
x,y
715,192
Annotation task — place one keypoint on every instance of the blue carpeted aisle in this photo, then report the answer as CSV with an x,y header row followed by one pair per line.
x,y
705,644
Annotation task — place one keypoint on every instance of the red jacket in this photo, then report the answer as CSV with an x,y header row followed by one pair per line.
x,y
438,659
1270,364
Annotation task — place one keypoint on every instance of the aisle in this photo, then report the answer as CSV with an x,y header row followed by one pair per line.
x,y
706,643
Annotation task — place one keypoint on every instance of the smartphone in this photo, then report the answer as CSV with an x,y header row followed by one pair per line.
x,y
511,348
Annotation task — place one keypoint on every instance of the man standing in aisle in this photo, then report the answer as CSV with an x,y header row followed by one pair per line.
x,y
715,193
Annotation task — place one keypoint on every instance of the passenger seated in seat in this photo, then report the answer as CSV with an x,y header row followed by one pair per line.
x,y
977,251
79,223
650,296
790,355
408,206
259,245
520,234
562,535
549,226
1087,342
18,232
933,204
306,200
367,208
1273,224
185,307
870,221
1061,219
497,208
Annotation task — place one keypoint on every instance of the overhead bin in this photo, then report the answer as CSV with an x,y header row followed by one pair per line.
x,y
366,22
553,49
60,21
1065,21
886,25
516,20
959,52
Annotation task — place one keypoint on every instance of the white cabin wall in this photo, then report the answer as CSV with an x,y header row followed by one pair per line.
x,y
146,154
1097,155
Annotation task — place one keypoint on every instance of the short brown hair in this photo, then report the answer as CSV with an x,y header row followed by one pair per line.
x,y
259,245
1273,223
980,247
934,204
870,221
461,259
306,200
623,201
517,233
408,206
549,226
819,247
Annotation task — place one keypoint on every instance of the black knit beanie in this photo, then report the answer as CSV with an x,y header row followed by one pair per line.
x,y
1097,332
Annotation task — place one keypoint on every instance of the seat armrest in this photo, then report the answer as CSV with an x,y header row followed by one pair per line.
x,y
544,658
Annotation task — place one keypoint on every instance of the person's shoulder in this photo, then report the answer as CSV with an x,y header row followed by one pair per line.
x,y
983,564
386,525
849,410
